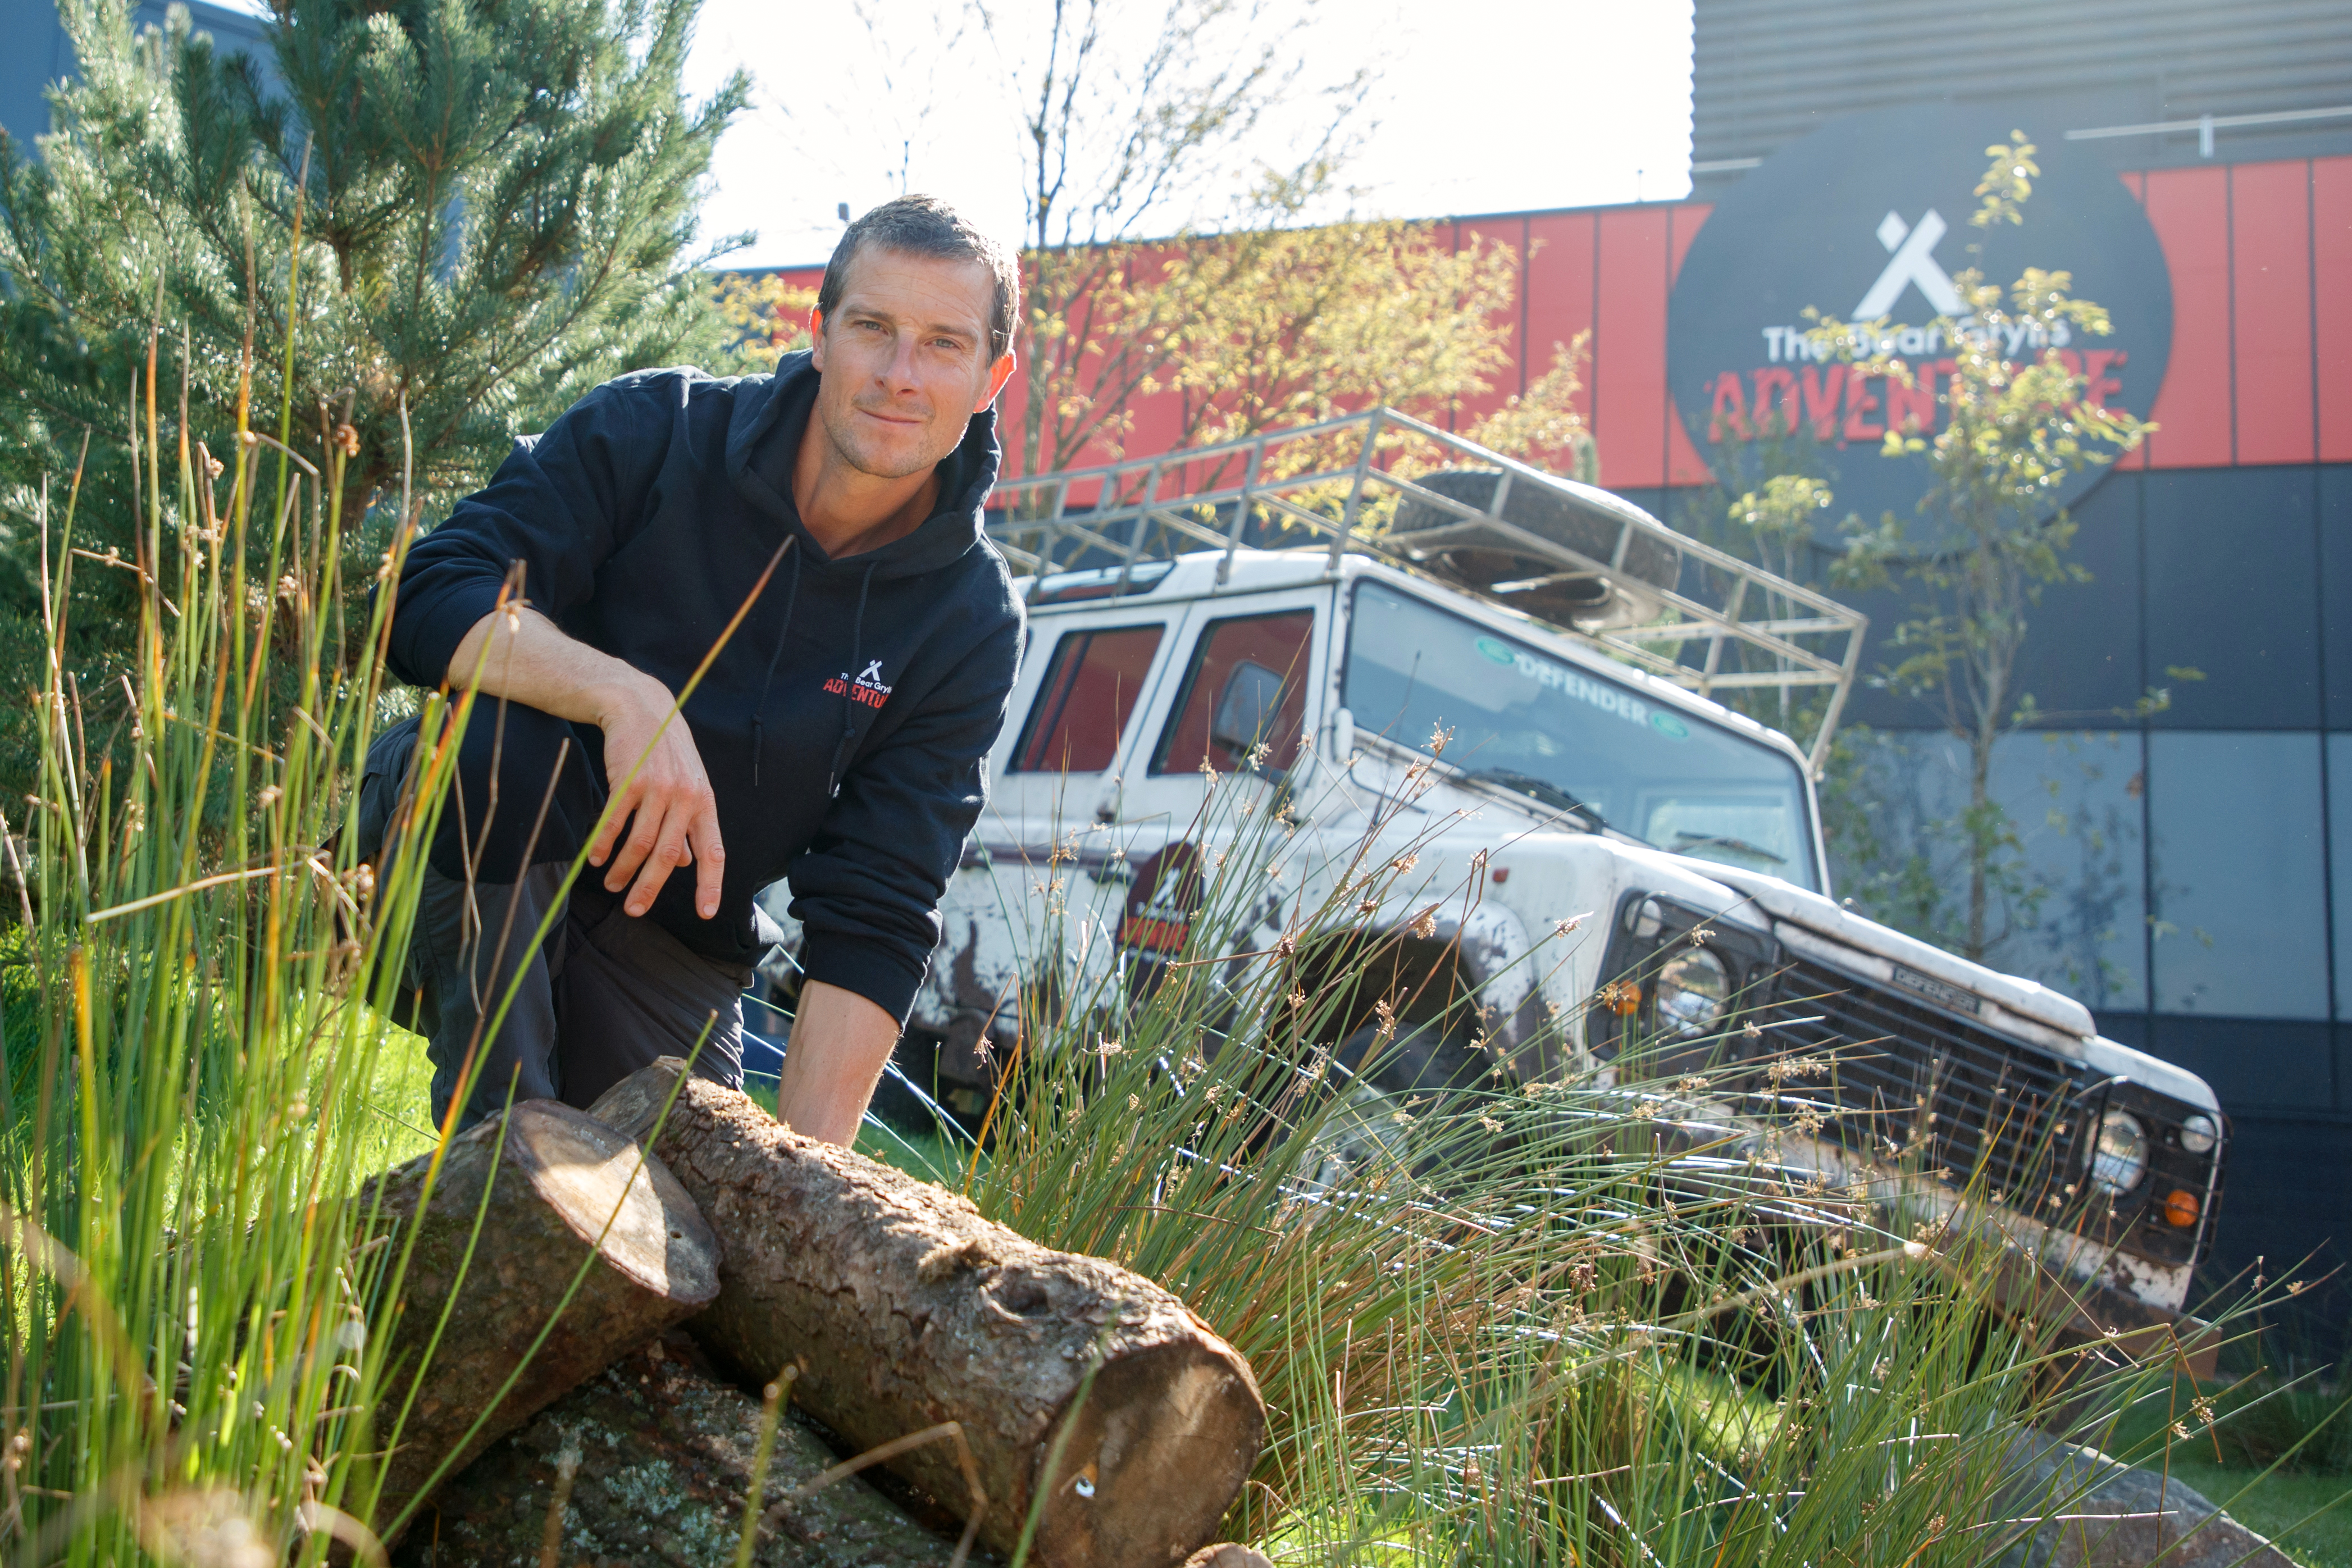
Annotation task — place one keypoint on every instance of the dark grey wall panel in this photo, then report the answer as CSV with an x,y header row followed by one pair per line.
x,y
2230,558
2257,1067
2335,590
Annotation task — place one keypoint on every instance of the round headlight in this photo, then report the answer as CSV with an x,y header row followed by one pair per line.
x,y
1694,989
2121,1158
2198,1134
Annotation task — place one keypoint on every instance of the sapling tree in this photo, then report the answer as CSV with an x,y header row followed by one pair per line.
x,y
1987,540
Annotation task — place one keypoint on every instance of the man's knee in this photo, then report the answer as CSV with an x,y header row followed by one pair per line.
x,y
523,792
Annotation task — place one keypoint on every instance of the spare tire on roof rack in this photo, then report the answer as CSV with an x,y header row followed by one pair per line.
x,y
1588,521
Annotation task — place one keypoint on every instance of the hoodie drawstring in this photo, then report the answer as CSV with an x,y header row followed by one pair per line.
x,y
759,728
849,686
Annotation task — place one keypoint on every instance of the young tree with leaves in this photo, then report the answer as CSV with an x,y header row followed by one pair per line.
x,y
1987,541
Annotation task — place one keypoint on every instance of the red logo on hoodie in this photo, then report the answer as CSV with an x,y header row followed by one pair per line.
x,y
865,688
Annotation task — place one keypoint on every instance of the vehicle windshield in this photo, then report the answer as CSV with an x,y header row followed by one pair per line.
x,y
1527,722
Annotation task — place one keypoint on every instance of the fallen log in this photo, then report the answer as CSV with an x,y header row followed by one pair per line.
x,y
567,1189
902,1307
660,1452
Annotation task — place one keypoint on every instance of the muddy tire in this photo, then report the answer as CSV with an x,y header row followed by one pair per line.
x,y
1391,1110
1588,522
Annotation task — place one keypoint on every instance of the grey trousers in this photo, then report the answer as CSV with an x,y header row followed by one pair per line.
x,y
606,994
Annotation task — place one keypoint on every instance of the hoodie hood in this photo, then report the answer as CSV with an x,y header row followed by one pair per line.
x,y
768,420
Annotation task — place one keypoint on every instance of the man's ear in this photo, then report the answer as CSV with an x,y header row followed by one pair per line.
x,y
817,337
998,375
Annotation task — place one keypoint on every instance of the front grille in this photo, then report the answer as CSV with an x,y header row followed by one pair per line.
x,y
1905,1081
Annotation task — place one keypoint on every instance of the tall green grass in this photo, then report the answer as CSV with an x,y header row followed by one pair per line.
x,y
193,1068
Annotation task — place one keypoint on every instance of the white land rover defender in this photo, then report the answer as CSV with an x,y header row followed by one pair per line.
x,y
1564,639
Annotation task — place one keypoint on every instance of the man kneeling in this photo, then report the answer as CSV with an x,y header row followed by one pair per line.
x,y
837,739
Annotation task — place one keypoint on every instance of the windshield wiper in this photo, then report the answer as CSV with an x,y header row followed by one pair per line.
x,y
1548,792
1690,841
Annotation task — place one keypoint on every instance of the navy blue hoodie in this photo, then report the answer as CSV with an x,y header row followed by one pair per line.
x,y
643,516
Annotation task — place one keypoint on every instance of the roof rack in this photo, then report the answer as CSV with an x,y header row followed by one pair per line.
x,y
1721,624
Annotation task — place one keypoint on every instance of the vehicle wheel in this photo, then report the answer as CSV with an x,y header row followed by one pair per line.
x,y
1385,1088
1588,523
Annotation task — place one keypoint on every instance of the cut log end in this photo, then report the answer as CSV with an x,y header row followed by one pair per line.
x,y
544,1219
615,1198
1186,1409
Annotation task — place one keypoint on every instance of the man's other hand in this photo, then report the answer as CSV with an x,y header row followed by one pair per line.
x,y
667,807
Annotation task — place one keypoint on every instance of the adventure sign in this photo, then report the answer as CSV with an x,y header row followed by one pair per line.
x,y
1869,216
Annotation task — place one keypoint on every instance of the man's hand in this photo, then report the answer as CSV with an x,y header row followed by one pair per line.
x,y
673,821
673,818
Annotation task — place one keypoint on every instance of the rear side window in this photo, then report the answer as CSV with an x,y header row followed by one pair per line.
x,y
1246,688
1088,694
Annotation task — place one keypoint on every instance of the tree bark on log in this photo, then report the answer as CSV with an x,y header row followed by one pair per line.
x,y
902,1307
567,1189
662,1451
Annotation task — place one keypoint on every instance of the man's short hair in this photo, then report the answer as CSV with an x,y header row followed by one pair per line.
x,y
926,226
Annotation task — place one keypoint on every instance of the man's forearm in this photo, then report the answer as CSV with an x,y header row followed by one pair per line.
x,y
661,791
525,658
840,1044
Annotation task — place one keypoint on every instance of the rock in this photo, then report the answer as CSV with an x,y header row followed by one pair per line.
x,y
2098,1513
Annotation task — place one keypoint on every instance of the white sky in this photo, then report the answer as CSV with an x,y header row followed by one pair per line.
x,y
1483,106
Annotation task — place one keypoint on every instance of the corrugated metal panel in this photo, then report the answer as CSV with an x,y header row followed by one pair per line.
x,y
1766,72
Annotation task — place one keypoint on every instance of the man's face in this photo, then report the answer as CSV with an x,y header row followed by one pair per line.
x,y
906,359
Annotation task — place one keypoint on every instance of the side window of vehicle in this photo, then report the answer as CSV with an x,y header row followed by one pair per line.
x,y
1246,688
1087,696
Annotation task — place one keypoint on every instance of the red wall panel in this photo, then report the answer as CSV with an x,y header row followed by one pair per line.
x,y
2189,209
2270,245
2260,258
1509,378
1559,288
1684,465
1629,381
2331,243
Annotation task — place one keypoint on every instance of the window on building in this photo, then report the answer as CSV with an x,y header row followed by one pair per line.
x,y
1246,688
1088,697
2236,888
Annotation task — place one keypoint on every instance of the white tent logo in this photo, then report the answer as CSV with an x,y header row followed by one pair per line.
x,y
1912,263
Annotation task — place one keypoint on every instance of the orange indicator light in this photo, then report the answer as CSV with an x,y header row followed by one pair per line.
x,y
2179,1209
